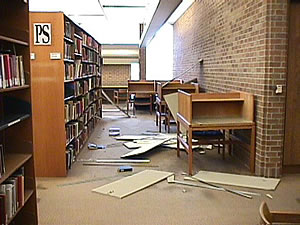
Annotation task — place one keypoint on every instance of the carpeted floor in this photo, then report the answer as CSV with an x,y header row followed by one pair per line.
x,y
69,200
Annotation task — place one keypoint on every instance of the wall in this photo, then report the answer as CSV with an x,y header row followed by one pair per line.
x,y
115,75
243,45
142,64
160,49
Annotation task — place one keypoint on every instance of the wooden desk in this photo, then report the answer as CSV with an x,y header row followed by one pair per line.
x,y
215,111
144,92
161,106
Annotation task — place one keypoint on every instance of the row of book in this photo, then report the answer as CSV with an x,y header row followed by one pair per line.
x,y
72,131
68,29
69,50
73,149
78,46
77,70
90,42
89,56
11,71
80,87
74,109
2,161
74,128
11,196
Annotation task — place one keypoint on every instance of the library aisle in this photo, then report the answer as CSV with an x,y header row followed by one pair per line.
x,y
69,200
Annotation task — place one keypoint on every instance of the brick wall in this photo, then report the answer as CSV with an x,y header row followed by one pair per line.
x,y
243,45
115,75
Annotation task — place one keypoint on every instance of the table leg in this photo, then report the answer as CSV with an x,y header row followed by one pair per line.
x,y
159,119
178,142
190,151
252,150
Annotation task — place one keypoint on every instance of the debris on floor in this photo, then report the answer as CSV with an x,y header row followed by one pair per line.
x,y
125,169
92,146
115,160
225,189
131,145
119,164
132,184
238,180
171,180
202,152
114,131
269,196
145,147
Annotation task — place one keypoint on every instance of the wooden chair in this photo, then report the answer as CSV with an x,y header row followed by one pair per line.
x,y
268,217
120,94
161,106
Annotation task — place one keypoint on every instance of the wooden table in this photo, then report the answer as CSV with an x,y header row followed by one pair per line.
x,y
143,91
214,111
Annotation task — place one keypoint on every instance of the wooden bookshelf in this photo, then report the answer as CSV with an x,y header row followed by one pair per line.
x,y
67,93
215,111
16,134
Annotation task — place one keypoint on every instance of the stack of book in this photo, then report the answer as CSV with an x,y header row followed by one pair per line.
x,y
11,195
11,71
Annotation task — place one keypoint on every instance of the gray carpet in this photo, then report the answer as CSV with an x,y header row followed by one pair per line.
x,y
69,201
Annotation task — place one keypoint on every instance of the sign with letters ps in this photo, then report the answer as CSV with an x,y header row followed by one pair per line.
x,y
42,33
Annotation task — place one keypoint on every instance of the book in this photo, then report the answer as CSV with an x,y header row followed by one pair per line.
x,y
3,211
7,70
9,199
3,216
2,71
21,69
21,190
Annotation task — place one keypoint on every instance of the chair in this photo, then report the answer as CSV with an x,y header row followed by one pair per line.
x,y
268,217
120,94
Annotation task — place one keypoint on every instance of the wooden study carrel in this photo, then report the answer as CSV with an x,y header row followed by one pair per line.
x,y
215,111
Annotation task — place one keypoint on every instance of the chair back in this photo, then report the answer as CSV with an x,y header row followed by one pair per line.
x,y
265,214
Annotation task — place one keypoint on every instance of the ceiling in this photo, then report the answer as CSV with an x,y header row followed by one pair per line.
x,y
109,21
117,21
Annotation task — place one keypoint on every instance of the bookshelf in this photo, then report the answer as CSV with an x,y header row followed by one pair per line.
x,y
18,204
215,111
67,93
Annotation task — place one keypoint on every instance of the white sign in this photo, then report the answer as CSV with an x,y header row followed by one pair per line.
x,y
42,33
32,56
55,55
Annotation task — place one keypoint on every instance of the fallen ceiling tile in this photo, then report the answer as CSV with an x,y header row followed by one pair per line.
x,y
131,184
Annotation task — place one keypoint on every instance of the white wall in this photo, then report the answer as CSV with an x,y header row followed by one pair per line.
x,y
159,55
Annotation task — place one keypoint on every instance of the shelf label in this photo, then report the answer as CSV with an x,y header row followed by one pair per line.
x,y
42,33
13,122
32,56
55,55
